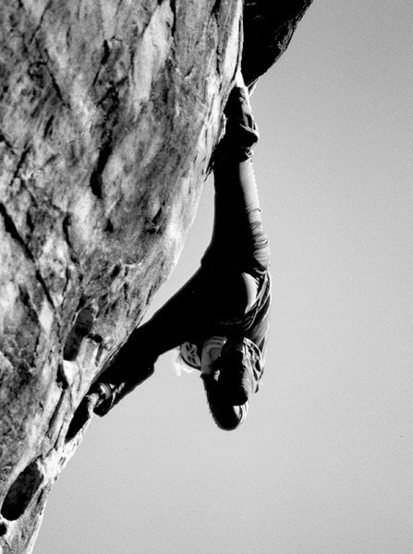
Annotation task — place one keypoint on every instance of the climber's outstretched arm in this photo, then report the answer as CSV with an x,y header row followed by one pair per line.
x,y
135,361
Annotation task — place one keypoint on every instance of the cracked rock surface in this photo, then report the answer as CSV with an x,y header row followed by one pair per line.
x,y
109,111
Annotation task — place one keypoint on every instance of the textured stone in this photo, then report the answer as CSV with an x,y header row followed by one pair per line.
x,y
109,111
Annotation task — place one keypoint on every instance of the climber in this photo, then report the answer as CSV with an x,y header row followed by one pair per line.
x,y
219,319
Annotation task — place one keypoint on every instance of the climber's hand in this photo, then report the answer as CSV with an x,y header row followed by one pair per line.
x,y
100,398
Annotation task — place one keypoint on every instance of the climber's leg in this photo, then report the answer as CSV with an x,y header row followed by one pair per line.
x,y
239,241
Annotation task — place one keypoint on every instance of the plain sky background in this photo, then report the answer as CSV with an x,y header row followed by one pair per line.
x,y
323,464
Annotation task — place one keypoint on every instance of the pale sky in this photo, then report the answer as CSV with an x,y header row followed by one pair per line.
x,y
323,464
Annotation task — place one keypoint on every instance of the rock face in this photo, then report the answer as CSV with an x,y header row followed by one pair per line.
x,y
109,111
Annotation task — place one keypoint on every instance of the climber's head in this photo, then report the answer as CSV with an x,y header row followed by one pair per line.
x,y
202,356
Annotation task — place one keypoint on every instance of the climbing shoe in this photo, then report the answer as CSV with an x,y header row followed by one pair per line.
x,y
241,132
241,129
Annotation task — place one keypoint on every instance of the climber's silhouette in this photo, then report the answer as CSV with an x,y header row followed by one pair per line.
x,y
219,319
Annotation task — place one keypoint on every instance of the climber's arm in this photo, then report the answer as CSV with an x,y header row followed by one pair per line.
x,y
169,327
